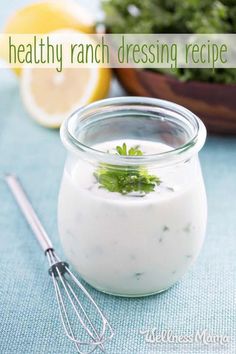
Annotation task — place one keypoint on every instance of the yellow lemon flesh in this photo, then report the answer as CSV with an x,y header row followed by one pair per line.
x,y
50,96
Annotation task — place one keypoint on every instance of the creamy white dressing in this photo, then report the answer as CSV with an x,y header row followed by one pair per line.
x,y
127,244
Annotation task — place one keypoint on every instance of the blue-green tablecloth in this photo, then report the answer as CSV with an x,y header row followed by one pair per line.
x,y
29,323
204,299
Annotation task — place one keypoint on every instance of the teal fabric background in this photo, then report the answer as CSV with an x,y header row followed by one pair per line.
x,y
29,322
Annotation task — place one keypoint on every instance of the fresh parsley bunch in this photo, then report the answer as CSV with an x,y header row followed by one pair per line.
x,y
175,16
125,179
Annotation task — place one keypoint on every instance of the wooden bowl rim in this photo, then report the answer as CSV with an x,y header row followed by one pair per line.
x,y
177,81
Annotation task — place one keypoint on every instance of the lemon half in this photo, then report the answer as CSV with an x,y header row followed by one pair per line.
x,y
50,96
47,16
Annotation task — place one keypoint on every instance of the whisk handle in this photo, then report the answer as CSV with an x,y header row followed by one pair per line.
x,y
28,211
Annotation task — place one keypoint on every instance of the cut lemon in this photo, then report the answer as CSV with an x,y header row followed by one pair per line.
x,y
50,96
47,16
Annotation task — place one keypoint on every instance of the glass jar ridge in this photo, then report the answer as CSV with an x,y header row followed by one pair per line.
x,y
174,116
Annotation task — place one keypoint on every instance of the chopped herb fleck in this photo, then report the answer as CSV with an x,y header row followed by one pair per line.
x,y
138,275
187,228
170,189
189,256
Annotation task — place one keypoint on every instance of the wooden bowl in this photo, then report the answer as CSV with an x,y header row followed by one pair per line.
x,y
214,103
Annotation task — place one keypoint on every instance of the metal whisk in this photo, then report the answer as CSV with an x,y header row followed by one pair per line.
x,y
97,331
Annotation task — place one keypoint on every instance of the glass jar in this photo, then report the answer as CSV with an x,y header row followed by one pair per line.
x,y
132,219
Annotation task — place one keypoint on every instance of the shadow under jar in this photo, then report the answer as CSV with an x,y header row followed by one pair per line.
x,y
132,220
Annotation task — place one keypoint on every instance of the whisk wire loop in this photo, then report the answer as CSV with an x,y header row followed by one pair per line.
x,y
64,281
58,270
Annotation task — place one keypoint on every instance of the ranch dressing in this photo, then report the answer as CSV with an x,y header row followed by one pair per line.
x,y
132,245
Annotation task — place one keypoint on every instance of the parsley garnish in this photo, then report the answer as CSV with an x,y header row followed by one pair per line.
x,y
127,179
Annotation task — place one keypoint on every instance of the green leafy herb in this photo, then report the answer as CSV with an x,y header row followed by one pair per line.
x,y
133,151
126,179
175,16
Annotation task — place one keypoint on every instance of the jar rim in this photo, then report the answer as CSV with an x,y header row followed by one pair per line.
x,y
184,151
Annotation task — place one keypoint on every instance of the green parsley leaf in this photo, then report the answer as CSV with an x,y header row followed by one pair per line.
x,y
126,179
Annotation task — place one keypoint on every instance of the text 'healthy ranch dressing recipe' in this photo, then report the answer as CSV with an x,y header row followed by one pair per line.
x,y
132,205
